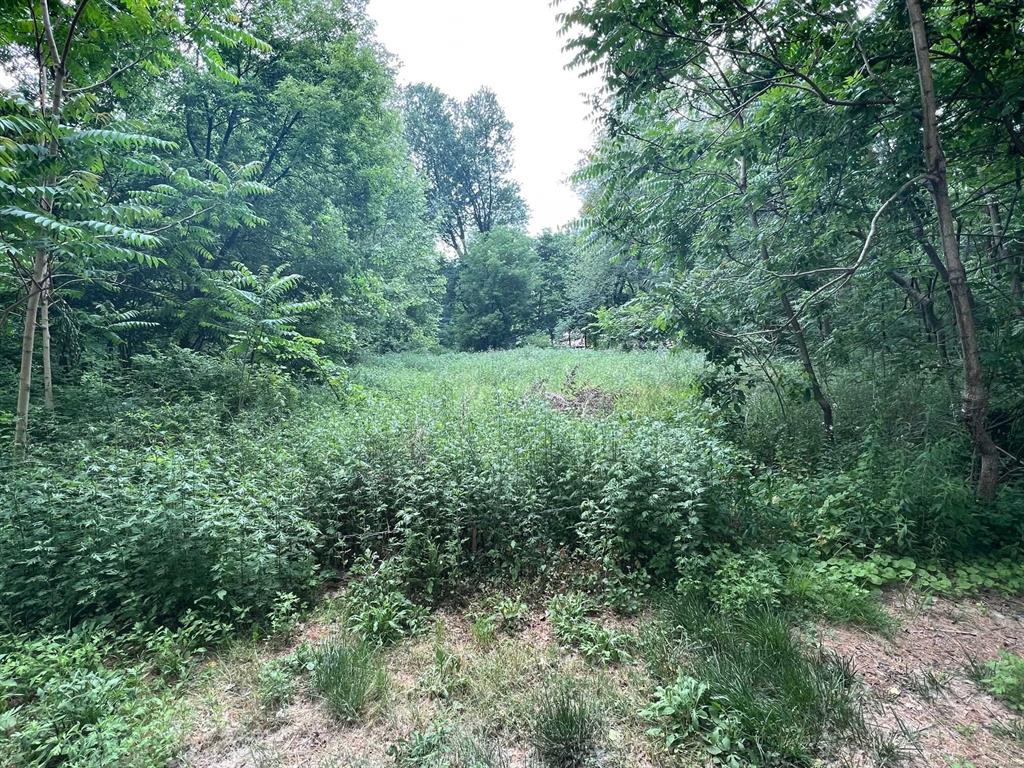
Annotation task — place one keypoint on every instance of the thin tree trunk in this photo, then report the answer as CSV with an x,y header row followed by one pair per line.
x,y
800,338
793,323
924,302
40,281
28,337
974,403
1002,262
44,329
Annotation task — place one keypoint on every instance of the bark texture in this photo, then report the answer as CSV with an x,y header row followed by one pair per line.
x,y
974,401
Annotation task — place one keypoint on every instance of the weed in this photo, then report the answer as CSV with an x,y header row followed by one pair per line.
x,y
1004,678
421,749
68,700
568,728
510,613
284,616
927,683
568,615
349,676
484,629
439,747
446,676
275,685
752,692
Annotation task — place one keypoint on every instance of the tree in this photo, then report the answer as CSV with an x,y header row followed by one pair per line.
x,y
464,152
69,54
347,209
495,301
260,316
770,156
975,393
554,257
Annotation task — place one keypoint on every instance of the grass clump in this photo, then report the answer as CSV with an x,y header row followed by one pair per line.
x,y
751,693
568,728
349,677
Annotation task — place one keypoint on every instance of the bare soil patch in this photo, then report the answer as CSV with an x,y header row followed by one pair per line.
x,y
490,693
919,683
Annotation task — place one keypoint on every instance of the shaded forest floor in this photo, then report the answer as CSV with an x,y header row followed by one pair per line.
x,y
917,682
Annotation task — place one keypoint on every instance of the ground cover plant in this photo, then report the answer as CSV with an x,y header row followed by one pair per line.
x,y
434,479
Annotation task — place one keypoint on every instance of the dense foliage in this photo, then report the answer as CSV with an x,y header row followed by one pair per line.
x,y
804,201
232,247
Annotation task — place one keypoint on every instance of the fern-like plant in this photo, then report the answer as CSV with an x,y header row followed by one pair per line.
x,y
262,318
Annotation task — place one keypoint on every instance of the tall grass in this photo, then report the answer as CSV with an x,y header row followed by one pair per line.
x,y
349,676
568,727
781,703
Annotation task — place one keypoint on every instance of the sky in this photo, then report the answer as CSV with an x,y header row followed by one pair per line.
x,y
513,48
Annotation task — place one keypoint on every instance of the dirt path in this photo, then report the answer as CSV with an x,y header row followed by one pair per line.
x,y
919,679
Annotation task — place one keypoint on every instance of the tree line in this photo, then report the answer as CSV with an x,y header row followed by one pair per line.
x,y
248,182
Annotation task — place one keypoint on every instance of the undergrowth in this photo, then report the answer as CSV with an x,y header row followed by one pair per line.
x,y
167,515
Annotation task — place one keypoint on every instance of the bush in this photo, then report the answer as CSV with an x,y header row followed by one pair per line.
x,y
349,677
150,532
68,700
378,611
568,728
1004,678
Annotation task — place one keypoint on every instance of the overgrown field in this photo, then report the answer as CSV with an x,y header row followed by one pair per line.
x,y
667,550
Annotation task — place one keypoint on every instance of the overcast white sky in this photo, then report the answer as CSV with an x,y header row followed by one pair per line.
x,y
512,47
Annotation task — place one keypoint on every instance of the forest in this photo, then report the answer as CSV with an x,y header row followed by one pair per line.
x,y
314,453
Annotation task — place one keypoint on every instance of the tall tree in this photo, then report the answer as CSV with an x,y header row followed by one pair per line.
x,y
68,56
464,151
771,153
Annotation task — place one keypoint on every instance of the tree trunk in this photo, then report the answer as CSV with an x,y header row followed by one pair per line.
x,y
974,403
44,330
1002,262
40,281
28,337
800,338
926,305
793,322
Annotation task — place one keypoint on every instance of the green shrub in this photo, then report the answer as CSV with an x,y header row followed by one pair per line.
x,y
151,532
1004,678
568,729
567,613
349,677
275,686
745,581
68,700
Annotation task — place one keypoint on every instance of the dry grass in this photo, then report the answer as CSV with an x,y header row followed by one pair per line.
x,y
917,683
442,677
